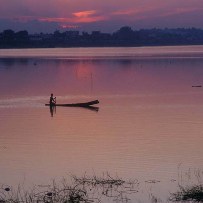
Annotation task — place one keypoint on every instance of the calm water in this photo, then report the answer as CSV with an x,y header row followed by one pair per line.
x,y
148,127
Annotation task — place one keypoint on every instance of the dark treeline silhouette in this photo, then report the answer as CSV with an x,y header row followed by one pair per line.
x,y
125,36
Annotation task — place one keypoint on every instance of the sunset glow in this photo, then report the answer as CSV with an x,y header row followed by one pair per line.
x,y
78,17
84,14
104,15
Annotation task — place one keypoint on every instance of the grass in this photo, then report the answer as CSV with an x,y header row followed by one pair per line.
x,y
104,188
81,190
192,193
191,190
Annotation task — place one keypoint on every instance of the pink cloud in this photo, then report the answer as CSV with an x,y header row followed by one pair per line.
x,y
181,11
58,20
135,11
23,19
123,12
135,14
74,20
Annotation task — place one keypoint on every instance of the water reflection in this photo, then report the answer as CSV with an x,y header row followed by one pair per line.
x,y
52,110
91,77
91,108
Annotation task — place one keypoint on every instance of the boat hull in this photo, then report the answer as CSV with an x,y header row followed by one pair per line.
x,y
85,104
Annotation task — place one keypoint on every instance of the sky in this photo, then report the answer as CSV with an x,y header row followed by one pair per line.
x,y
103,15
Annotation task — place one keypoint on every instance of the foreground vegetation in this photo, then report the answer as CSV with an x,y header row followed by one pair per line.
x,y
192,193
190,187
82,189
105,188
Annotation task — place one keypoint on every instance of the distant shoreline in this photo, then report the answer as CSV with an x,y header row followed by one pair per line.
x,y
124,37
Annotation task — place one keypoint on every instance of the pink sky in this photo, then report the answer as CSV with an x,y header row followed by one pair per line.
x,y
104,15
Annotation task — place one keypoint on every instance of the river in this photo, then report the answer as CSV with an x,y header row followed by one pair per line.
x,y
149,125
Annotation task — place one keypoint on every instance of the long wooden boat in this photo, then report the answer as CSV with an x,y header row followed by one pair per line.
x,y
85,104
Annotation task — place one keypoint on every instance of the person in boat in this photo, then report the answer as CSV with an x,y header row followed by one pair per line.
x,y
52,100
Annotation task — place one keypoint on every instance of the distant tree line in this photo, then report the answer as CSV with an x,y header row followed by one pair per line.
x,y
125,36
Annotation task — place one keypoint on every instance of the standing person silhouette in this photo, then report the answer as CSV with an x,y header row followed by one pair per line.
x,y
52,100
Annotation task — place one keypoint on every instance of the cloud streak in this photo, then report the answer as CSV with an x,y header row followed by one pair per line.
x,y
77,17
179,11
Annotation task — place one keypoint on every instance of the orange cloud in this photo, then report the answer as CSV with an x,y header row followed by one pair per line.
x,y
89,19
78,17
84,14
87,16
